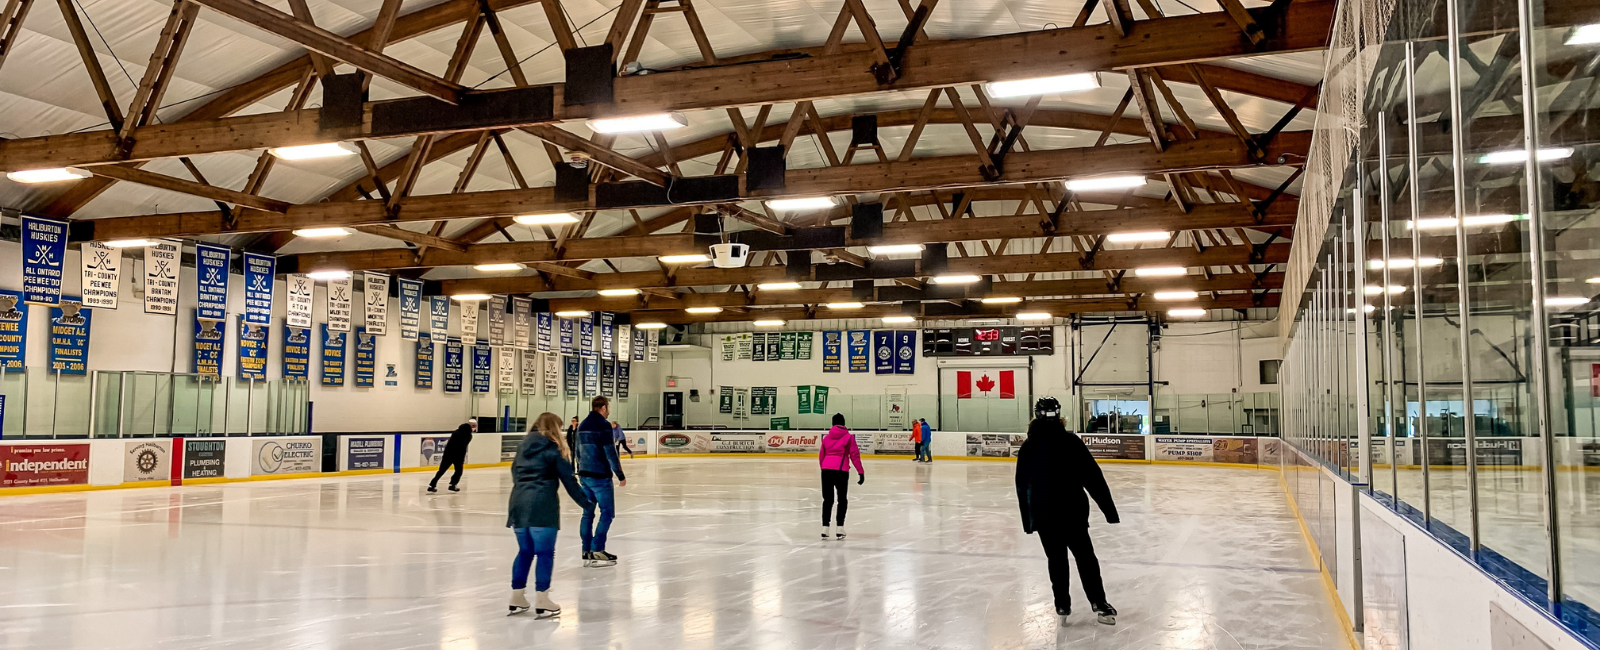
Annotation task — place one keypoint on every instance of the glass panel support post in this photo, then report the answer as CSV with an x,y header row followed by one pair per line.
x,y
1459,178
1413,166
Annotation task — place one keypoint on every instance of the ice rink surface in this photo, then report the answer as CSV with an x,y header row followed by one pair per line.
x,y
716,553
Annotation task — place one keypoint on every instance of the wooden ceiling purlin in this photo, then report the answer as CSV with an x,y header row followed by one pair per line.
x,y
945,311
1302,26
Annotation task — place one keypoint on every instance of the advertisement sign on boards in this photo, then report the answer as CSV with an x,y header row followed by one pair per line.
x,y
365,453
287,456
433,449
148,460
48,464
1115,447
204,458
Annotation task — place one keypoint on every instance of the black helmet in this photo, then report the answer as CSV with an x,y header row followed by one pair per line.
x,y
1047,407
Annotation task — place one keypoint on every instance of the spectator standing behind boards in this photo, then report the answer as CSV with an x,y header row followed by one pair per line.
x,y
838,448
620,438
927,440
455,453
1054,469
543,460
597,462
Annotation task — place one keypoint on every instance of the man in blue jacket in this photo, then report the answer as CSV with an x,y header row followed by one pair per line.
x,y
597,462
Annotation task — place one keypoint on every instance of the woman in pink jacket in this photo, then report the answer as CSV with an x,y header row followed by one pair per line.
x,y
838,448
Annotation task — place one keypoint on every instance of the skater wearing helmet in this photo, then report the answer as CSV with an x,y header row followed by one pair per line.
x,y
1054,470
837,449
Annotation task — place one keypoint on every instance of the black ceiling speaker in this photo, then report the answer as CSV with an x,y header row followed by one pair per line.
x,y
572,182
866,221
343,100
765,171
935,259
862,290
798,265
708,224
589,75
864,131
911,308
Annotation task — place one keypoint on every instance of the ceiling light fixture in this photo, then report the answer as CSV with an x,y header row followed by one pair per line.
x,y
1521,156
129,243
856,305
1177,295
769,322
472,297
895,249
694,258
31,176
1105,183
333,231
778,286
1067,83
1404,263
329,275
795,205
703,310
1565,301
1593,280
1187,312
1003,300
613,293
1585,35
498,268
650,326
1441,223
1129,237
316,151
1033,315
551,219
1160,271
639,123
956,279
899,319
572,313
1375,290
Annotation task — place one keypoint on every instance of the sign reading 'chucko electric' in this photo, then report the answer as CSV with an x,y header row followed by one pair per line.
x,y
287,456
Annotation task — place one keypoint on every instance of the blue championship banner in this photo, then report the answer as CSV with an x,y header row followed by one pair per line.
x,y
425,362
69,337
452,365
566,336
482,364
905,352
591,377
542,338
296,353
332,357
586,336
410,308
252,350
259,273
208,345
639,344
439,315
832,346
608,377
623,371
366,358
44,255
13,331
860,358
211,277
571,374
883,352
607,329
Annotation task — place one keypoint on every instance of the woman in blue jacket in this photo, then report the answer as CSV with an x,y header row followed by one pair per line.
x,y
543,460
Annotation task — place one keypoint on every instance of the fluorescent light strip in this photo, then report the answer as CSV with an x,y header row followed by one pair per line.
x,y
1404,263
809,203
895,249
1160,271
703,310
1177,295
316,151
1004,300
1067,83
956,279
857,305
1375,290
1187,312
1105,183
546,219
1441,223
314,233
778,286
1130,237
54,174
329,275
498,268
613,293
572,313
639,123
1565,301
470,297
1521,156
768,323
650,326
1585,35
695,258
1033,315
899,319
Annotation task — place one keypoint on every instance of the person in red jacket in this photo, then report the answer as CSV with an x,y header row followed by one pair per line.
x,y
837,449
916,442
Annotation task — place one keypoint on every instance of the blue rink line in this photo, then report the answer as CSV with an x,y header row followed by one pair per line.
x,y
1000,556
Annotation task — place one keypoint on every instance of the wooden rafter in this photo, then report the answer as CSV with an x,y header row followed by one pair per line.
x,y
91,64
11,25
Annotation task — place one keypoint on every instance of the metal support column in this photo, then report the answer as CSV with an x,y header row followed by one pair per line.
x,y
1390,434
1414,167
1458,171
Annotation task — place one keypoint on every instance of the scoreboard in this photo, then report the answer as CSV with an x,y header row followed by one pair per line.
x,y
988,341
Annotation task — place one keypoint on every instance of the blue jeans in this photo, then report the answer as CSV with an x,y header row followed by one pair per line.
x,y
599,492
534,543
926,447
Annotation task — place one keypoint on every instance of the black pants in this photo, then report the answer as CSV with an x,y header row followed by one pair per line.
x,y
1057,543
445,464
834,480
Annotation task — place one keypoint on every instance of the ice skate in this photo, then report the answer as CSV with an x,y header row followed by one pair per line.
x,y
1064,610
454,489
519,602
606,556
594,559
545,607
839,534
432,489
825,533
1105,613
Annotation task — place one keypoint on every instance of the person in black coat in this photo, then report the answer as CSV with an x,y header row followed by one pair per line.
x,y
455,453
543,461
1054,470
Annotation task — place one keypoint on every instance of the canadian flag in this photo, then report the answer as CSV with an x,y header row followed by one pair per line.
x,y
986,384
